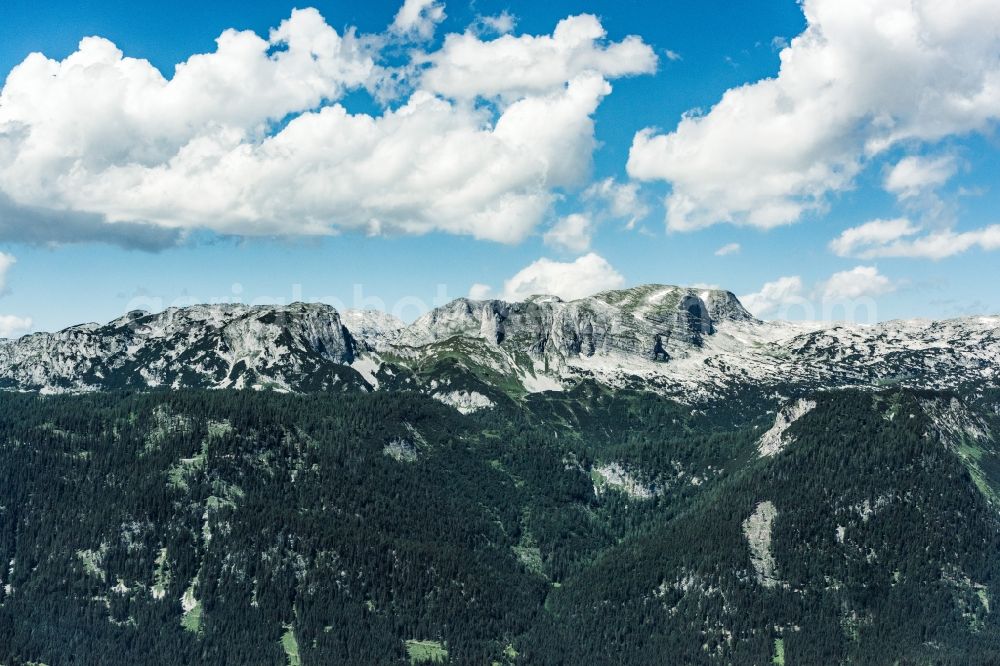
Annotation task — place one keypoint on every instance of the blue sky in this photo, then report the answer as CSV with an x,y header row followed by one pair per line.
x,y
938,257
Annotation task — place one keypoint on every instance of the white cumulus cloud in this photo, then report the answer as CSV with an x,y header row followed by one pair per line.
x,y
252,139
773,296
788,295
6,262
859,282
583,277
902,238
859,241
617,200
913,175
480,291
500,24
515,66
12,326
98,109
572,233
862,77
418,18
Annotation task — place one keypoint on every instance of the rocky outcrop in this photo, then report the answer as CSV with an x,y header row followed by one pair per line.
x,y
774,440
286,347
757,529
372,328
724,306
646,322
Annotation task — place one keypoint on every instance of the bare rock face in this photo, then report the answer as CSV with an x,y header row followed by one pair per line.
x,y
285,347
758,530
306,346
724,306
774,440
690,343
645,321
372,328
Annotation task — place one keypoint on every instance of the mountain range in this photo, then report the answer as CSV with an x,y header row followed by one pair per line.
x,y
690,344
650,475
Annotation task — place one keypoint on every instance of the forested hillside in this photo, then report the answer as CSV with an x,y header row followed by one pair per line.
x,y
237,527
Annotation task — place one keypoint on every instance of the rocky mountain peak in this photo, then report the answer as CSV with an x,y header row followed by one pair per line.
x,y
646,320
223,345
657,299
372,328
682,341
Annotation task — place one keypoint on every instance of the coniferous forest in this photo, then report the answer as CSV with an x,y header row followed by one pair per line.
x,y
587,527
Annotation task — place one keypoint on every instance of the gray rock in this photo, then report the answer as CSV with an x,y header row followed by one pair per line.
x,y
286,347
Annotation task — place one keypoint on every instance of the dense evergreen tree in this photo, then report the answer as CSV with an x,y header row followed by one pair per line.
x,y
216,527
